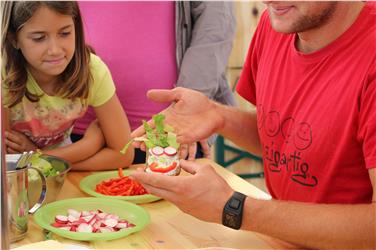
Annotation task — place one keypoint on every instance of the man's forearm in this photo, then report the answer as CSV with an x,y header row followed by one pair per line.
x,y
240,127
313,225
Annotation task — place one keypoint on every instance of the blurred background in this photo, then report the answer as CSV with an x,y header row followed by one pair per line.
x,y
248,167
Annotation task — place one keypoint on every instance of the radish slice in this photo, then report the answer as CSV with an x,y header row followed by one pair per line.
x,y
105,229
97,225
121,225
65,228
85,228
88,218
57,224
61,219
112,216
102,215
170,151
110,222
157,151
74,213
85,213
72,218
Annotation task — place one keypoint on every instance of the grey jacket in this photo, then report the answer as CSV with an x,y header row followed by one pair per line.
x,y
204,35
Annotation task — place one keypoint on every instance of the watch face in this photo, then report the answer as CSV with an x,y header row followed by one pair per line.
x,y
231,220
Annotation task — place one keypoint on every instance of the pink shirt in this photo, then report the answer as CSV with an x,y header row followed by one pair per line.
x,y
316,112
137,42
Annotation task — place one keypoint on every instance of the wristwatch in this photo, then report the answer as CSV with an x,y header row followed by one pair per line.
x,y
233,211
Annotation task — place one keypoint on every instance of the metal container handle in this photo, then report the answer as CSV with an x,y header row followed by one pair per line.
x,y
43,193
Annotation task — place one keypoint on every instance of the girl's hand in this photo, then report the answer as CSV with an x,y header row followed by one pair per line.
x,y
17,142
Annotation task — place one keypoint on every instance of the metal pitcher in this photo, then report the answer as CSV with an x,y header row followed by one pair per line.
x,y
18,202
4,228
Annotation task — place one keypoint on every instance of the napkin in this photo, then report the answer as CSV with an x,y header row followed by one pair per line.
x,y
49,244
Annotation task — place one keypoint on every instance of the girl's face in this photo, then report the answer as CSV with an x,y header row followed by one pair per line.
x,y
47,41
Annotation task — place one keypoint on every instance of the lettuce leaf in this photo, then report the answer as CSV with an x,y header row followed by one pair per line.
x,y
162,135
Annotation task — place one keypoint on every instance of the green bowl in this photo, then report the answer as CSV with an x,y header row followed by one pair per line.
x,y
89,183
125,210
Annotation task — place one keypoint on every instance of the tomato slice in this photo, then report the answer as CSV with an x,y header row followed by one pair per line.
x,y
154,167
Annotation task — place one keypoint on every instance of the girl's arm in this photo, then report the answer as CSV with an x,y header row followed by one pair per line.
x,y
116,131
91,143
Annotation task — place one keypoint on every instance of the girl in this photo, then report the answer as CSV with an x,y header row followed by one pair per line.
x,y
49,79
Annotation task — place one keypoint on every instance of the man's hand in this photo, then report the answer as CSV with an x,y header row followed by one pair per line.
x,y
202,194
192,115
17,142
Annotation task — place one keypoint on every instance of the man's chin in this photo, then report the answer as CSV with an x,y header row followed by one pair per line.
x,y
286,29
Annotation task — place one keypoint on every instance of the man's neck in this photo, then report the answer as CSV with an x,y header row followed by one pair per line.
x,y
343,17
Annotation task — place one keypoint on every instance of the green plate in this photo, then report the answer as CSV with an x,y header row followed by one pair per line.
x,y
89,183
125,210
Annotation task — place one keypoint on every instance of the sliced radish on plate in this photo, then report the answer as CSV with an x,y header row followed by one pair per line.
x,y
88,218
105,229
85,213
57,224
121,225
85,228
110,222
90,222
61,219
102,215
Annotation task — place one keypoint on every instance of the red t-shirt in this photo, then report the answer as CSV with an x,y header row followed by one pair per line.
x,y
316,112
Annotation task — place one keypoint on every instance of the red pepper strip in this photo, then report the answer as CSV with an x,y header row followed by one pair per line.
x,y
120,172
120,186
154,168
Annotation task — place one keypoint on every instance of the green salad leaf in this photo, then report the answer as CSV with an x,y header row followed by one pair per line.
x,y
162,135
43,165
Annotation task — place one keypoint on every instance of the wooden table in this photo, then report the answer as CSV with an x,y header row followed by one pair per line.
x,y
170,228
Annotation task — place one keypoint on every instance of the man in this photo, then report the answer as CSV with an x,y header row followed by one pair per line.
x,y
311,72
160,44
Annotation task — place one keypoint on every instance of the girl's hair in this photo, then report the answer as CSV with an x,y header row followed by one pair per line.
x,y
76,77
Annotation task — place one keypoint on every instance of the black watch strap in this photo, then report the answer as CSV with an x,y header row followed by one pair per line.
x,y
233,211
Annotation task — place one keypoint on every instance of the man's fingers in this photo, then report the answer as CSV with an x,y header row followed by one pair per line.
x,y
163,95
192,150
183,151
205,148
189,166
140,131
159,181
167,195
